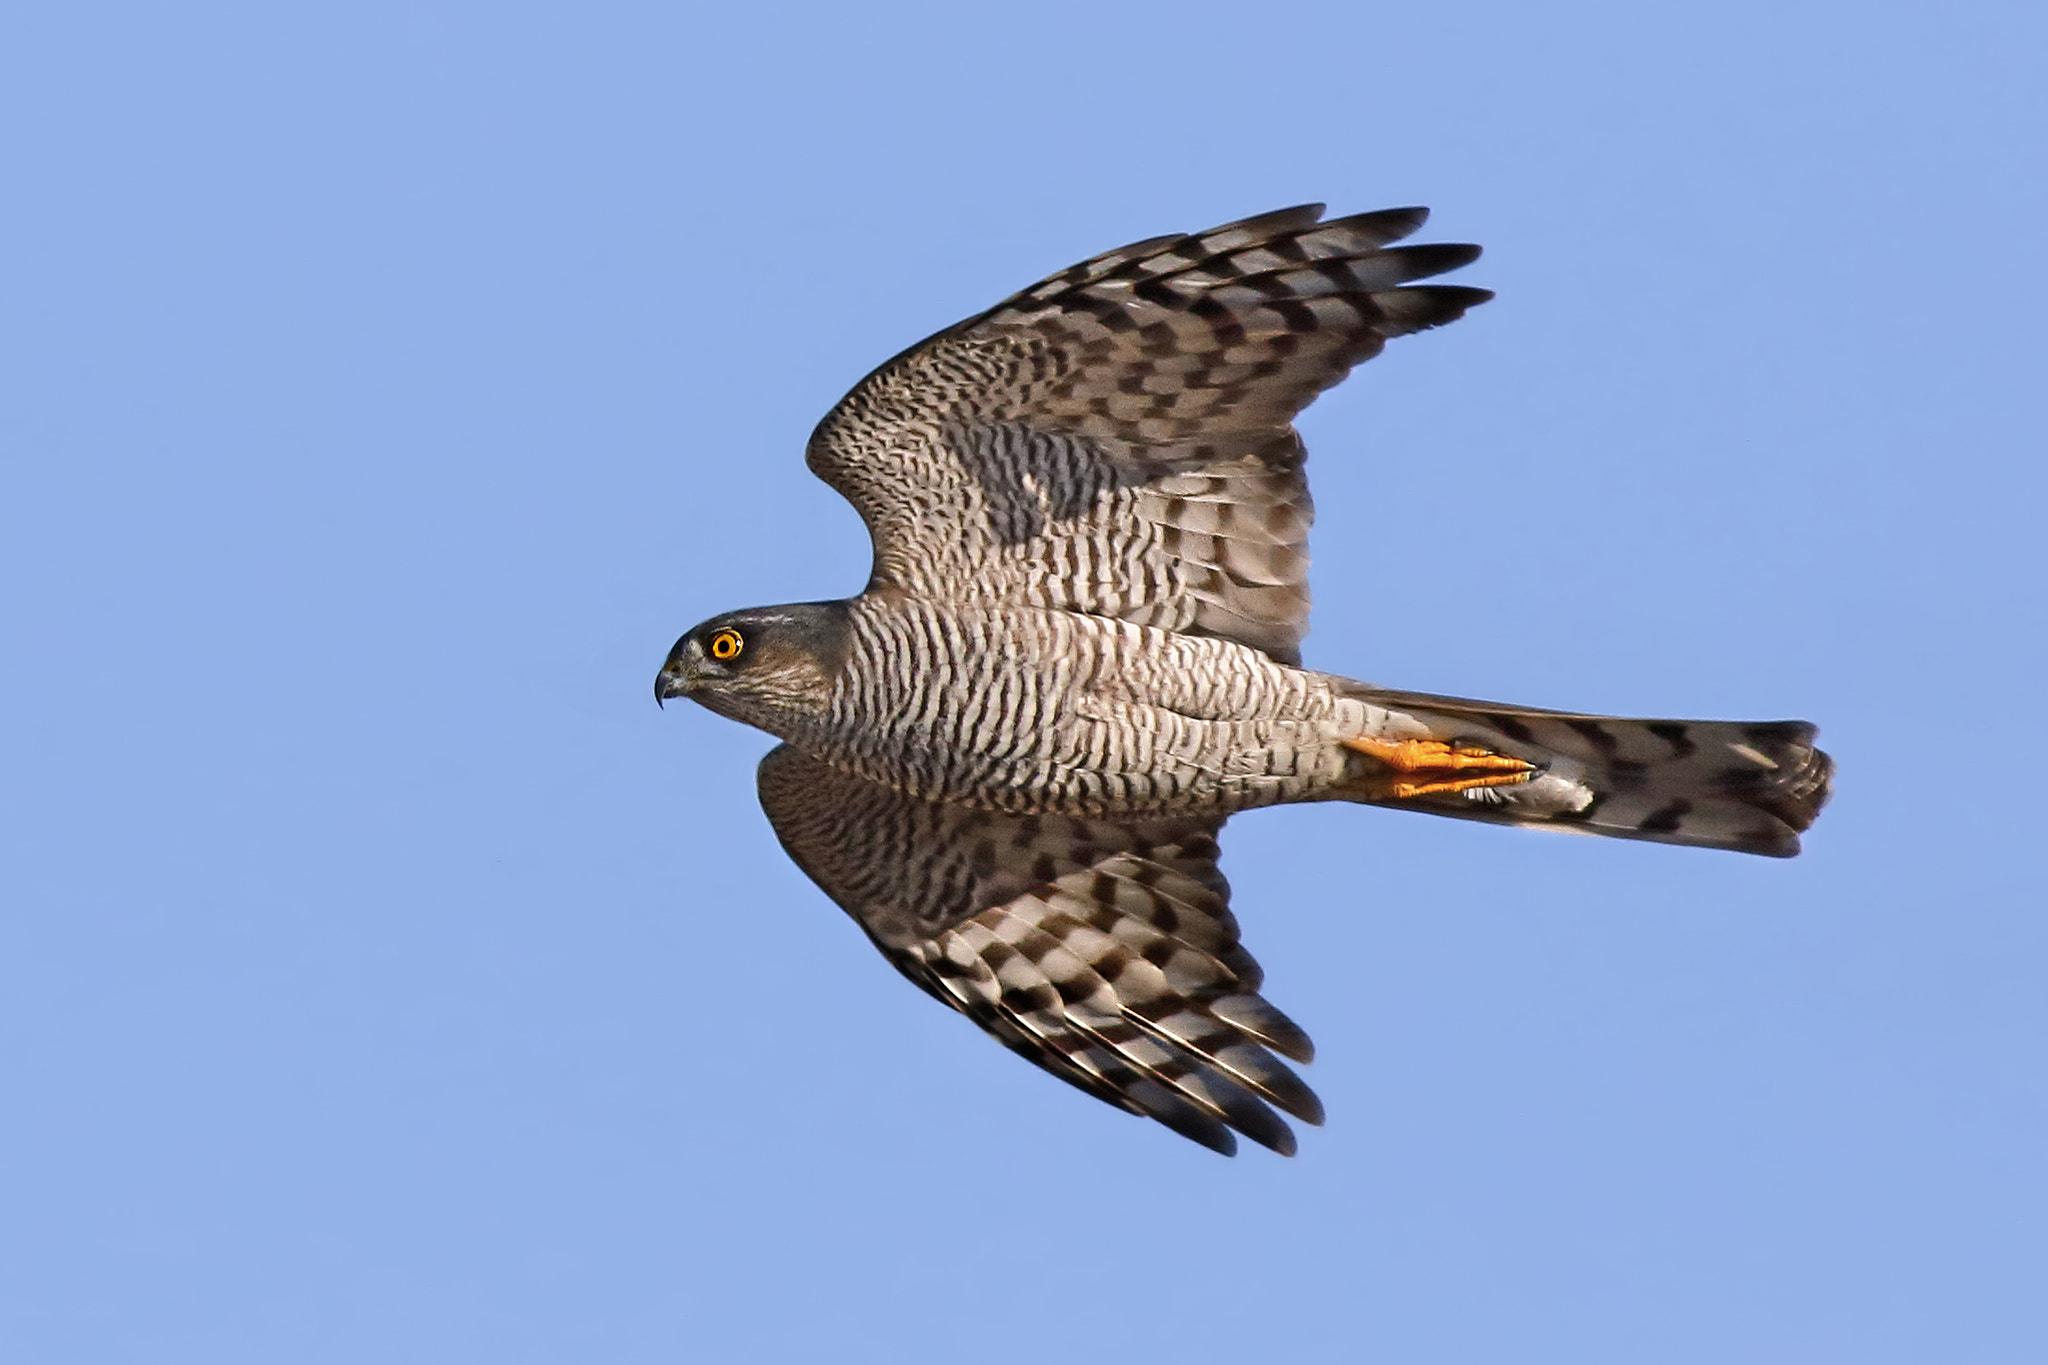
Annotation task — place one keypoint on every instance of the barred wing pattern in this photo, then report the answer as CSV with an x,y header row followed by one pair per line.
x,y
1102,950
1117,438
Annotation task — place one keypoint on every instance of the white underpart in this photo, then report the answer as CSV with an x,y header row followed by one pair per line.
x,y
1547,793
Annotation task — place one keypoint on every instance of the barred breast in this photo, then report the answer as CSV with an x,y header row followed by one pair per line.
x,y
1042,711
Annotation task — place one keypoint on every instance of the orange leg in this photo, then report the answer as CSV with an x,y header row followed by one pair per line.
x,y
1428,767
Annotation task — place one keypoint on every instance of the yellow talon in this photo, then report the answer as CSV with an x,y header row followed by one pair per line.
x,y
1430,762
1401,791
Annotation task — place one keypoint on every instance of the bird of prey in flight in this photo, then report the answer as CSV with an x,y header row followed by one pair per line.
x,y
1078,654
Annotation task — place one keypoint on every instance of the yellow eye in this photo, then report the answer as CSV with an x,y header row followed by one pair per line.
x,y
727,644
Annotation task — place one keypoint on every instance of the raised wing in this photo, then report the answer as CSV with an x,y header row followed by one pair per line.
x,y
1103,950
1117,439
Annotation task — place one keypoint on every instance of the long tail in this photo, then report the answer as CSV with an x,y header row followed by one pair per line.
x,y
1747,786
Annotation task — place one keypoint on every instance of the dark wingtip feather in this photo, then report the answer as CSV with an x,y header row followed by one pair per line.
x,y
1259,227
1437,258
1243,1111
1383,225
1292,1094
1423,306
1295,215
1182,1117
1255,1017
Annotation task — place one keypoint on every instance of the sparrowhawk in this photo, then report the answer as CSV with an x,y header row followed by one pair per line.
x,y
1078,654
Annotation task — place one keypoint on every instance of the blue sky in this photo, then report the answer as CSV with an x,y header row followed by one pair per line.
x,y
385,978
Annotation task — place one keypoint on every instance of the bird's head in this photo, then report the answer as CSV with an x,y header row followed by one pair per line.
x,y
762,666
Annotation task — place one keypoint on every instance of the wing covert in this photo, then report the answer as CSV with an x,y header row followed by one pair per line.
x,y
1102,950
1117,438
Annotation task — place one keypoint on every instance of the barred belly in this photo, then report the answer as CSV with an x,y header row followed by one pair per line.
x,y
1040,711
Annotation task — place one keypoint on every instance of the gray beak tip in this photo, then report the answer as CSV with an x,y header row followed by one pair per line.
x,y
670,683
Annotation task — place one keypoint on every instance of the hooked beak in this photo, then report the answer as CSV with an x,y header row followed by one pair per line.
x,y
677,677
